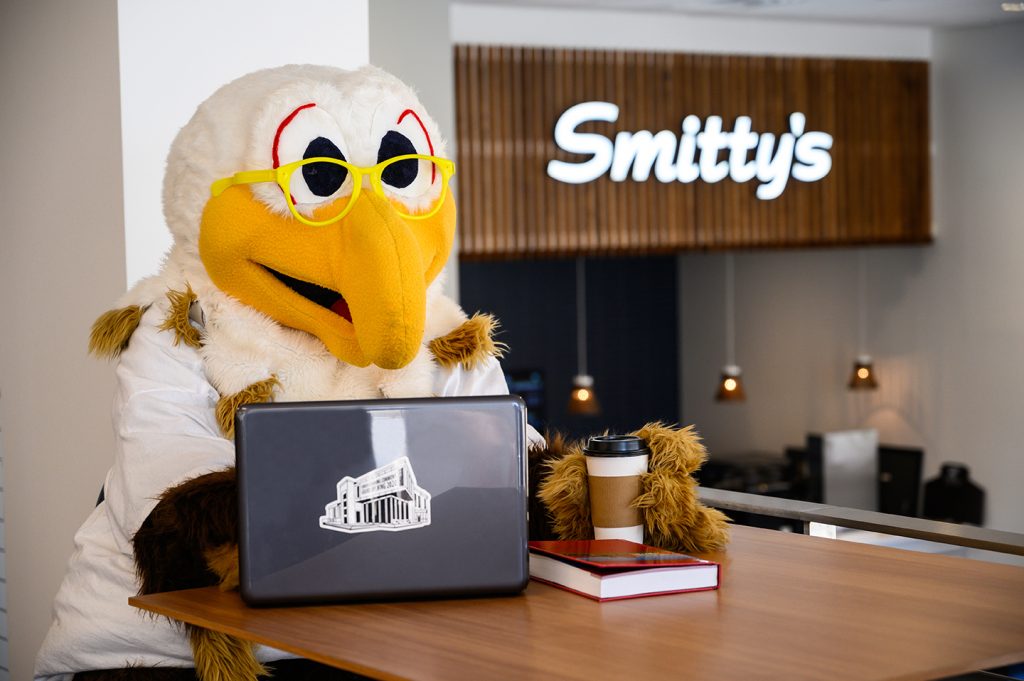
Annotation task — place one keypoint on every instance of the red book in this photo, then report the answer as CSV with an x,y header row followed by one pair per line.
x,y
611,569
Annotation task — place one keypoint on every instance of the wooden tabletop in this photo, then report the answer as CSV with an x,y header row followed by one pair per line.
x,y
789,606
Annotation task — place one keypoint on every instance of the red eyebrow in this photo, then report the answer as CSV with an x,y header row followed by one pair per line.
x,y
280,128
430,145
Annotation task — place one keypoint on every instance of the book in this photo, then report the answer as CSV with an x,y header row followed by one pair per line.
x,y
612,569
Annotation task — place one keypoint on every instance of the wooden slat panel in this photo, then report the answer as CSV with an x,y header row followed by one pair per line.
x,y
509,98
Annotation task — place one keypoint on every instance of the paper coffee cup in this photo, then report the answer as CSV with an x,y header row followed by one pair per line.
x,y
614,466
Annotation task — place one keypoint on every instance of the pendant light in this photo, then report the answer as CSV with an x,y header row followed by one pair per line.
x,y
730,384
863,375
582,400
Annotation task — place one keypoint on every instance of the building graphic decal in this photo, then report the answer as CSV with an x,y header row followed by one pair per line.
x,y
387,498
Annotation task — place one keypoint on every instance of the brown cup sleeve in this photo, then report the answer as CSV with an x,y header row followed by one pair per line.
x,y
611,501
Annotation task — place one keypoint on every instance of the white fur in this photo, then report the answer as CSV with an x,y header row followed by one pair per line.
x,y
234,130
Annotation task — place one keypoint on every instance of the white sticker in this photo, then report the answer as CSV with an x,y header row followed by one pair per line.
x,y
386,498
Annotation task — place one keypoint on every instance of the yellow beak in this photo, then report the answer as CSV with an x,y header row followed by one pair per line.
x,y
369,272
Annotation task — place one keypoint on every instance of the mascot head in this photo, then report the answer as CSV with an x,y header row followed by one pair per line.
x,y
319,197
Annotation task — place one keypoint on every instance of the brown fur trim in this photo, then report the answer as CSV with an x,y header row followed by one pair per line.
x,y
178,319
673,517
112,331
221,657
223,562
565,492
195,517
469,344
257,393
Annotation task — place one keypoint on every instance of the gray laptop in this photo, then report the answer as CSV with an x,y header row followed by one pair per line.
x,y
381,499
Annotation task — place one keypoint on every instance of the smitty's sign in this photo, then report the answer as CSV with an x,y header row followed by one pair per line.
x,y
694,154
568,152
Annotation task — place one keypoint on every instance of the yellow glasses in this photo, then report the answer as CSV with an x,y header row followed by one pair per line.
x,y
327,188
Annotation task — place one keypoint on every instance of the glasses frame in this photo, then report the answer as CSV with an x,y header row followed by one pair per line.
x,y
282,176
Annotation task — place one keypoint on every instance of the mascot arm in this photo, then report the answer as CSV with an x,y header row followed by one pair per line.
x,y
190,538
672,514
170,495
485,378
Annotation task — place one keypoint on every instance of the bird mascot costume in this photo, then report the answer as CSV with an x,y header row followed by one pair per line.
x,y
312,218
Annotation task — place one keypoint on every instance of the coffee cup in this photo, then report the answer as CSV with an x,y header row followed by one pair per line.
x,y
614,466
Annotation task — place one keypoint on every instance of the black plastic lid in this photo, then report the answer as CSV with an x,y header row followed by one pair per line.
x,y
615,445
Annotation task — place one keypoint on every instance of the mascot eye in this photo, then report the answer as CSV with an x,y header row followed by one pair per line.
x,y
323,179
400,174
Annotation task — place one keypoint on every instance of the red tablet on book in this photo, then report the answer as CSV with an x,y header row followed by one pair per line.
x,y
610,569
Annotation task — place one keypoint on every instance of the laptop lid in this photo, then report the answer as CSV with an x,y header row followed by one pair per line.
x,y
376,499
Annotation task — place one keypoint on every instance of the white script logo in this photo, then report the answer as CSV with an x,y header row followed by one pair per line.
x,y
803,155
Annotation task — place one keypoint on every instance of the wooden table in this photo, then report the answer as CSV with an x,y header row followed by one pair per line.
x,y
789,606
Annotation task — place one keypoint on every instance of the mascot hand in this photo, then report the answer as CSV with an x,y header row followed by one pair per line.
x,y
673,517
190,540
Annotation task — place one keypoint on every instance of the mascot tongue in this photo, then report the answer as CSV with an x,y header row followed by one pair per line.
x,y
340,308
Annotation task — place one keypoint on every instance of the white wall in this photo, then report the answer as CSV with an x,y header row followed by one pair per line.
x,y
61,265
945,322
175,54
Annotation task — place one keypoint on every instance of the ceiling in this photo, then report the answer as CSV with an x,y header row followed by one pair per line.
x,y
947,13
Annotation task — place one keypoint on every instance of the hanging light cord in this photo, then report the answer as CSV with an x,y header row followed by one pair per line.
x,y
581,316
862,303
730,321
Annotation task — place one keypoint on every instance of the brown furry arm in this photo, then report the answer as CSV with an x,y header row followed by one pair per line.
x,y
561,485
673,516
191,522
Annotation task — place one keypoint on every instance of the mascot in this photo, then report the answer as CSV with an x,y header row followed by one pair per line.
x,y
312,218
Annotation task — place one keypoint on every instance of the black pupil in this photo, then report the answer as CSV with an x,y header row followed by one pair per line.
x,y
323,179
401,173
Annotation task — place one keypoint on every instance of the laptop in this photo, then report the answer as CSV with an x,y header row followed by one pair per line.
x,y
381,499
